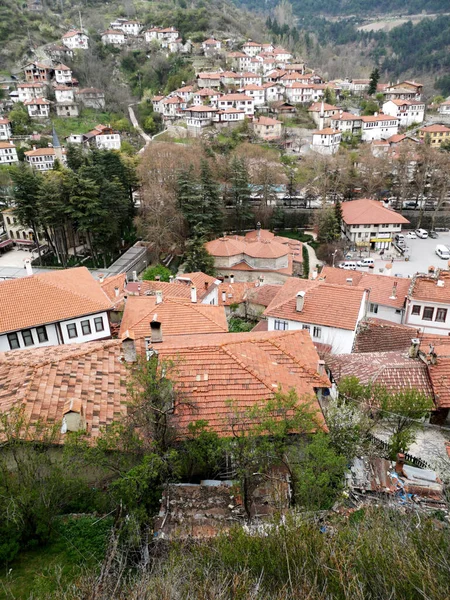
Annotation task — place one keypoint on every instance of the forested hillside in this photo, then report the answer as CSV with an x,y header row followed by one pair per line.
x,y
353,7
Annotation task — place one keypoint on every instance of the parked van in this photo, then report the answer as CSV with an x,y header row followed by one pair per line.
x,y
442,251
422,233
399,239
348,265
366,262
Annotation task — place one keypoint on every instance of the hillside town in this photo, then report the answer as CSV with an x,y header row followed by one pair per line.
x,y
206,309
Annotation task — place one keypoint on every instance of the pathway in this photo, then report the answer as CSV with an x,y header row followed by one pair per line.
x,y
138,128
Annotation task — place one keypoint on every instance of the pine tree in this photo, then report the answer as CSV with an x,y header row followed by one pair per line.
x,y
374,79
211,218
189,198
197,257
239,192
338,217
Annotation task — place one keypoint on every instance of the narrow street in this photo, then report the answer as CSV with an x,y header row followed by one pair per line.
x,y
138,128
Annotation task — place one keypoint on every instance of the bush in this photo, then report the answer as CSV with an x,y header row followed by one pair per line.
x,y
151,273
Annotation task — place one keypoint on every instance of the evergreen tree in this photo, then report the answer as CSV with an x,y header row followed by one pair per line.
x,y
189,198
374,79
197,257
26,184
239,192
212,216
338,217
327,226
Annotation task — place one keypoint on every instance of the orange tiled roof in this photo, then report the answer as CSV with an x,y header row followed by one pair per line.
x,y
235,293
425,287
4,145
176,317
317,107
264,248
43,380
109,285
381,286
369,212
169,290
325,304
435,129
266,121
49,297
244,367
263,294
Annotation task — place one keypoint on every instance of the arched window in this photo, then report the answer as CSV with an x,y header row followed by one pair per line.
x,y
11,234
8,220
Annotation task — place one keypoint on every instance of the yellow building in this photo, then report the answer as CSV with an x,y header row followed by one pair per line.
x,y
435,134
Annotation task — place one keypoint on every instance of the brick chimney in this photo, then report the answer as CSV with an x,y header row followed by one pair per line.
x,y
414,348
156,330
300,301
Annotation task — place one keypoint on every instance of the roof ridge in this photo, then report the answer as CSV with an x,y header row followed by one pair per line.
x,y
245,366
315,375
196,307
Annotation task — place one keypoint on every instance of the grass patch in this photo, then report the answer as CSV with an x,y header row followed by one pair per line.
x,y
88,119
78,546
239,325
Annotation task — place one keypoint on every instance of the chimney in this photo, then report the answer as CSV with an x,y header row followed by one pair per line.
x,y
399,463
159,296
431,269
224,296
134,276
193,294
300,301
28,266
206,285
375,114
101,278
314,274
128,347
394,291
139,289
156,330
158,278
258,230
231,278
116,292
321,367
414,348
171,279
440,283
349,281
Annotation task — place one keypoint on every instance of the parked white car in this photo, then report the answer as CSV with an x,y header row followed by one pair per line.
x,y
411,235
348,266
366,262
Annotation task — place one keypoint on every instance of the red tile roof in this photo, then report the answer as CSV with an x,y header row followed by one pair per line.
x,y
378,335
244,367
235,293
43,380
369,212
435,129
49,297
176,317
381,286
266,121
425,287
324,304
263,294
394,370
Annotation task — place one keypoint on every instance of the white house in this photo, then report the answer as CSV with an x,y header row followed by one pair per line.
x,y
428,303
185,93
198,117
167,35
407,112
238,101
38,108
230,116
444,108
102,137
208,80
252,48
5,129
69,306
63,74
113,36
91,97
273,92
128,27
330,313
75,40
211,46
300,93
43,159
28,91
63,93
172,107
256,92
326,141
378,127
206,96
157,103
368,224
250,78
346,122
323,113
67,109
8,153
